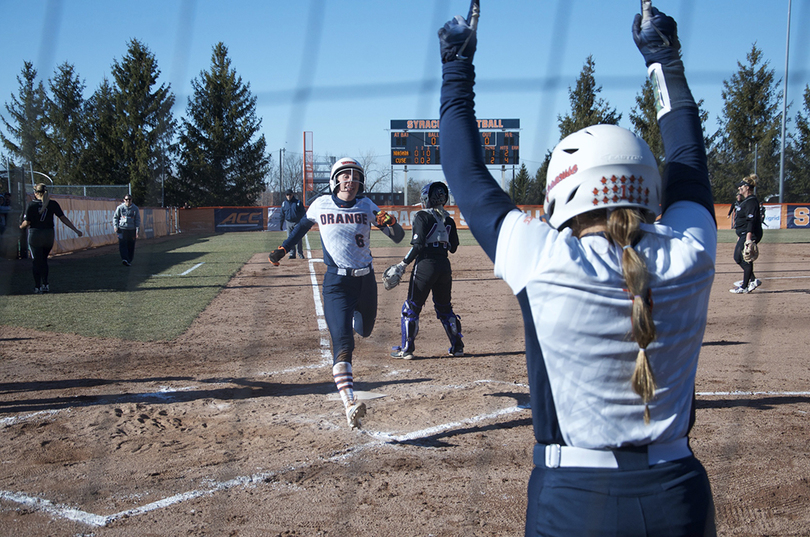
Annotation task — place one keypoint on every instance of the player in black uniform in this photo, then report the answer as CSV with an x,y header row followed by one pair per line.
x,y
434,235
38,220
748,226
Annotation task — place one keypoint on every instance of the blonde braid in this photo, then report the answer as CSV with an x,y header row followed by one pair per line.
x,y
623,228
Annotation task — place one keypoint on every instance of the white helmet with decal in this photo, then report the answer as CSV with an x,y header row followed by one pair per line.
x,y
346,163
601,167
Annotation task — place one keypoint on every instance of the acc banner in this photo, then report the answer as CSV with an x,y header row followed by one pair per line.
x,y
798,216
238,219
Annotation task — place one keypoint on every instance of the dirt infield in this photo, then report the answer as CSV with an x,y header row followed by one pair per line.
x,y
233,429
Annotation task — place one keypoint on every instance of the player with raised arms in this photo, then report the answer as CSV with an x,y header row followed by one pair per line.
x,y
344,220
614,302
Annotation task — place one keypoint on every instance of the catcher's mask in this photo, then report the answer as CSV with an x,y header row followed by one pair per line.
x,y
434,195
357,174
601,167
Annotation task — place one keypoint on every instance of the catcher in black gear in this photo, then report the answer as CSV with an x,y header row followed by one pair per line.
x,y
434,236
748,226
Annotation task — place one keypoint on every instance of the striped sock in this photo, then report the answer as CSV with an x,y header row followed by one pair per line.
x,y
342,373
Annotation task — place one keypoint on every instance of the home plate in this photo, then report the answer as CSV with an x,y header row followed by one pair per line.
x,y
359,395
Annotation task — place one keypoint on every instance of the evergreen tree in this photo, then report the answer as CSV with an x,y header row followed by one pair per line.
x,y
143,118
26,117
586,108
221,160
750,127
797,187
520,186
537,194
101,161
63,137
644,117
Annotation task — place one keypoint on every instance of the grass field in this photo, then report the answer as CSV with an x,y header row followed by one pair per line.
x,y
171,281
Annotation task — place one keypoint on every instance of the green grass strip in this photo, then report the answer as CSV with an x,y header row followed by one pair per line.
x,y
158,297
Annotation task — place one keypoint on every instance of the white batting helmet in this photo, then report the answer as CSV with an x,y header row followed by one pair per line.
x,y
346,163
601,167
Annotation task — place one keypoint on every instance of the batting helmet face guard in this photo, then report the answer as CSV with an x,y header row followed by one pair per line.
x,y
434,195
357,174
601,167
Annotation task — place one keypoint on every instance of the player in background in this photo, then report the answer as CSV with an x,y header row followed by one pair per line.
x,y
434,235
611,376
38,219
345,220
748,227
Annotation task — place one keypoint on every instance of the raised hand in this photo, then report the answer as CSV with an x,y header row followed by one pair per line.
x,y
657,37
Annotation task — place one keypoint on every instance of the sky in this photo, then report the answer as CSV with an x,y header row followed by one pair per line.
x,y
343,69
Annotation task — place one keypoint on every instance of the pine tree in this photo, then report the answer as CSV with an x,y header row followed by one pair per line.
x,y
644,117
101,160
64,142
143,118
221,161
750,126
520,186
26,117
586,108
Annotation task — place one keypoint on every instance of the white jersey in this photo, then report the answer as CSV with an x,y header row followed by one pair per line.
x,y
345,231
581,312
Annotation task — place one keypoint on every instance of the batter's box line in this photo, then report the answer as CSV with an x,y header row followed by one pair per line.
x,y
91,519
77,515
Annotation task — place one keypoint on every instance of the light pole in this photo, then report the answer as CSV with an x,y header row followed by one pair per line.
x,y
784,113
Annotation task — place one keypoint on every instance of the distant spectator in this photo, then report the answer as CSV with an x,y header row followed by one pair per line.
x,y
293,211
126,221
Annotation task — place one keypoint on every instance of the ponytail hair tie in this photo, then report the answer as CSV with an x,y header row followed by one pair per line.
x,y
626,246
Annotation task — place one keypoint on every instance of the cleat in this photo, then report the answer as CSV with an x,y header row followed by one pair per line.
x,y
740,290
45,288
37,290
125,263
403,355
753,284
354,413
458,351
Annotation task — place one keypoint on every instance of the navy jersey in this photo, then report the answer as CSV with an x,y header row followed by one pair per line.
x,y
45,219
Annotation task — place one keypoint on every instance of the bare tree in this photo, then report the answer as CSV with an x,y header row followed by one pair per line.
x,y
378,176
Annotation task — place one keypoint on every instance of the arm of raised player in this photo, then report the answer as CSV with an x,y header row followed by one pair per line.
x,y
686,175
479,197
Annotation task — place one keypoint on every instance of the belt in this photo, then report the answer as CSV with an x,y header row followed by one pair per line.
x,y
352,272
557,456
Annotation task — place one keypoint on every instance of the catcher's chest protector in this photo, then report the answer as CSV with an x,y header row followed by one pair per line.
x,y
439,232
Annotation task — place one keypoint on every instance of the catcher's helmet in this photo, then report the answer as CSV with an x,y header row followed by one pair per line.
x,y
434,195
601,167
346,163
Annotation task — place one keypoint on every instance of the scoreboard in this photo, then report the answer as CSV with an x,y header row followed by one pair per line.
x,y
413,146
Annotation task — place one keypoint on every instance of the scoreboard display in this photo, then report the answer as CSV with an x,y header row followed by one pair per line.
x,y
421,147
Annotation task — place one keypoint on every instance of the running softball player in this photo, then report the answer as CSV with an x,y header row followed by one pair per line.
x,y
349,286
434,235
611,376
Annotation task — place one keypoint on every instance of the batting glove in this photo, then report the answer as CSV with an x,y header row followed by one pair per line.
x,y
457,39
277,255
385,219
657,38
